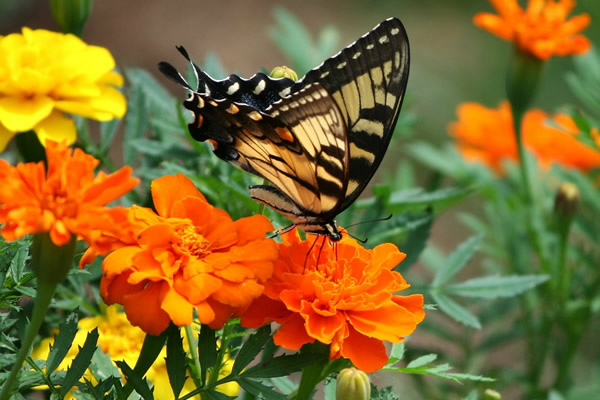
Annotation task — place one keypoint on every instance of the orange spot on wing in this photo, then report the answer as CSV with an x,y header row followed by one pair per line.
x,y
285,134
213,143
200,121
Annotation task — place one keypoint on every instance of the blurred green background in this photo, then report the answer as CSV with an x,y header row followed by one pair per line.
x,y
452,60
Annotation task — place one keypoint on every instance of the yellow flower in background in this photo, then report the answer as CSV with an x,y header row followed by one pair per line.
x,y
45,74
123,341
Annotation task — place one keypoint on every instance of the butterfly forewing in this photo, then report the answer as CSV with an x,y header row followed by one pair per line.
x,y
367,79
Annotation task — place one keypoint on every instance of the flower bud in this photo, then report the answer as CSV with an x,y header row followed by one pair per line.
x,y
524,74
51,263
566,200
71,15
491,394
284,72
353,384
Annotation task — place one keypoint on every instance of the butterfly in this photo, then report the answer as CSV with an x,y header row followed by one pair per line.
x,y
319,140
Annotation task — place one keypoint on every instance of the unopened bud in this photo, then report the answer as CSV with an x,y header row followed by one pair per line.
x,y
71,15
353,384
491,394
284,72
566,200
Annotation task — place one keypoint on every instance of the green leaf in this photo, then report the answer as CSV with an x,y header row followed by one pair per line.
x,y
108,131
471,396
214,395
385,393
456,311
207,350
457,260
423,360
250,349
281,366
136,123
157,97
257,388
62,343
80,363
134,379
492,287
414,244
213,66
284,384
102,366
175,361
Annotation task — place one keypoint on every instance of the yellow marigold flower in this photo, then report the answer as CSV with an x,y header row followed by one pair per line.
x,y
123,341
45,74
542,29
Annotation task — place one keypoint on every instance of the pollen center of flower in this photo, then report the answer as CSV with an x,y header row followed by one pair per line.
x,y
192,241
60,204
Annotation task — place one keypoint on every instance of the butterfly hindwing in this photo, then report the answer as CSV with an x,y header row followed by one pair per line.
x,y
299,147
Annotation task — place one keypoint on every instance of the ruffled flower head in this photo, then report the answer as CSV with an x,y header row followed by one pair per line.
x,y
343,296
45,74
542,29
65,200
189,255
487,135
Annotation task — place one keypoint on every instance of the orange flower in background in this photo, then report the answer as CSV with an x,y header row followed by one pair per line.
x,y
65,200
189,256
542,29
44,75
347,301
487,135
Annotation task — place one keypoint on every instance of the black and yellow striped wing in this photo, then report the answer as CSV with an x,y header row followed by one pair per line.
x,y
319,140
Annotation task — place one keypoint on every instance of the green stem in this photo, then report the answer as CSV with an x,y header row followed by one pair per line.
x,y
45,291
223,349
189,334
563,272
523,164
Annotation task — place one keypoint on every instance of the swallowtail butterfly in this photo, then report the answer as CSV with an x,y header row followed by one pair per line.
x,y
318,140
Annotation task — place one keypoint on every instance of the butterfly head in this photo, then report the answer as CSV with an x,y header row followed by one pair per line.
x,y
331,230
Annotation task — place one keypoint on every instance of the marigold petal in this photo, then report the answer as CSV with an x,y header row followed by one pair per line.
x,y
110,187
222,312
115,289
197,288
262,311
206,314
355,348
178,308
170,189
413,304
58,128
112,78
143,309
390,323
324,328
494,24
251,228
292,334
238,294
20,114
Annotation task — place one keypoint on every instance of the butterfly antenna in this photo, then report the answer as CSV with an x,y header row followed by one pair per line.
x,y
371,220
363,241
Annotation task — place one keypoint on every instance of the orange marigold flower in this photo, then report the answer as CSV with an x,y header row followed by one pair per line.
x,y
189,256
487,135
65,200
542,29
347,301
